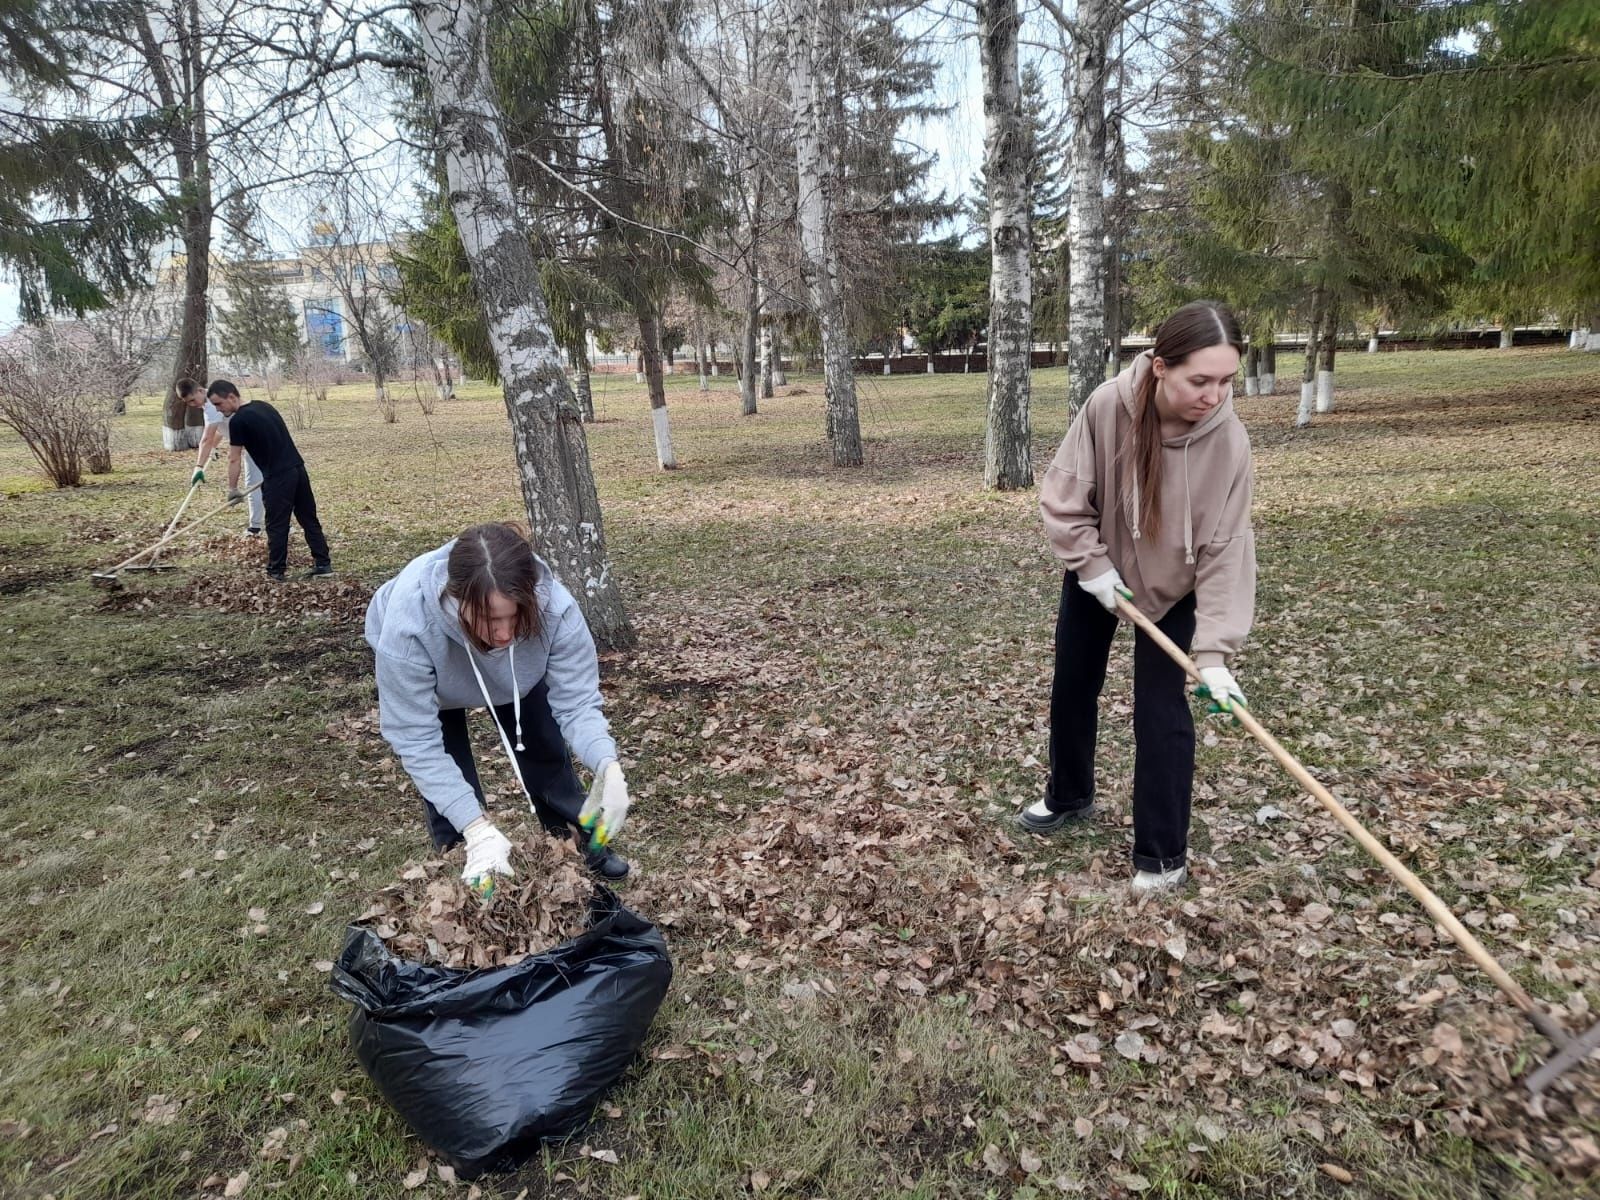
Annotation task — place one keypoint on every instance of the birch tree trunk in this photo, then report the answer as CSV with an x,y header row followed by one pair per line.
x,y
1086,231
580,371
775,332
766,348
700,353
1007,464
551,449
650,354
808,26
750,379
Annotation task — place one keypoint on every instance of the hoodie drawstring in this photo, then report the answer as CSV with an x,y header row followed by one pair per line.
x,y
516,707
1188,512
516,692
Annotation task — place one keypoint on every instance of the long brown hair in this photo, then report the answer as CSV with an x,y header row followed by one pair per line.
x,y
1195,326
488,558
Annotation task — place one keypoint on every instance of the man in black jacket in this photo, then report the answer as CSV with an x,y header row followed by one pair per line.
x,y
258,430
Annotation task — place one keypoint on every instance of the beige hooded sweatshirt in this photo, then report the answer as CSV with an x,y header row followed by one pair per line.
x,y
1205,544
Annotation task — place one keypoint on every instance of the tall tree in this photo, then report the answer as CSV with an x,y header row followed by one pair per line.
x,y
1006,158
1091,32
815,49
552,451
74,230
1480,118
257,326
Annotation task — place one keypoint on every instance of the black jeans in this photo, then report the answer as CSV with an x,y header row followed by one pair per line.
x,y
1163,726
545,761
284,493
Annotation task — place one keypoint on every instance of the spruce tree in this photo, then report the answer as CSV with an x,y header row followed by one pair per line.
x,y
257,327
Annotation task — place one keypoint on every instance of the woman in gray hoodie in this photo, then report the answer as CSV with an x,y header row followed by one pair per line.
x,y
1149,495
481,621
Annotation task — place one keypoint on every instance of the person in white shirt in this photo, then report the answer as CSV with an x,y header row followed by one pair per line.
x,y
216,425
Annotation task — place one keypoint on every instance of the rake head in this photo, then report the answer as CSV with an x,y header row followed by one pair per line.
x,y
1565,1058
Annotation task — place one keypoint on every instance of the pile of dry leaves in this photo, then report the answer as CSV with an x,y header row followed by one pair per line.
x,y
250,591
431,916
900,890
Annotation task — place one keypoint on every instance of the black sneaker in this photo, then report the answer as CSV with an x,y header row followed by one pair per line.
x,y
253,531
606,864
320,571
275,576
1041,818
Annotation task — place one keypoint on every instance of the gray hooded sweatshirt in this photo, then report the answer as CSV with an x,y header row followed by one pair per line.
x,y
1205,545
422,667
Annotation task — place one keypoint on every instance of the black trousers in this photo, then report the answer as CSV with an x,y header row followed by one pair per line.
x,y
1163,726
282,494
545,761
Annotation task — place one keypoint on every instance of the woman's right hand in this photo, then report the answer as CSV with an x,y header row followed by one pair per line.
x,y
488,853
1105,588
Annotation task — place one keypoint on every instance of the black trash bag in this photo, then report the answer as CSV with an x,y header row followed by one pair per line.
x,y
485,1065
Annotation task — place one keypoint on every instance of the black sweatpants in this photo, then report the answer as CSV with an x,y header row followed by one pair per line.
x,y
282,494
1163,726
545,761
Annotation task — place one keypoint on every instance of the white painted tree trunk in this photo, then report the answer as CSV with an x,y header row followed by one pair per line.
x,y
1252,369
886,366
811,32
1086,229
1330,342
1372,344
1508,335
1575,339
779,379
1308,375
663,429
552,453
650,340
1269,364
1007,461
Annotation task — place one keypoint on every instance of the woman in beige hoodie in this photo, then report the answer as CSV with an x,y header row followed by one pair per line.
x,y
1150,494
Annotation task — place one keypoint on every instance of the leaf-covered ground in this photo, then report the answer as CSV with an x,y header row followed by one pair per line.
x,y
837,705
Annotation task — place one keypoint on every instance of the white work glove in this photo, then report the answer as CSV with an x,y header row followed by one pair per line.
x,y
1104,588
488,855
607,807
1222,688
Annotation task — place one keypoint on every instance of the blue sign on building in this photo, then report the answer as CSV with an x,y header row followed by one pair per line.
x,y
325,327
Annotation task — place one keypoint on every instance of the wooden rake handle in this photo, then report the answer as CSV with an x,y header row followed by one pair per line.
x,y
1463,937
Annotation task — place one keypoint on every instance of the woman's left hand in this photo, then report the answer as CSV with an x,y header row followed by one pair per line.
x,y
1223,688
607,807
